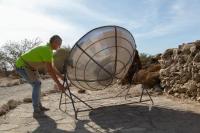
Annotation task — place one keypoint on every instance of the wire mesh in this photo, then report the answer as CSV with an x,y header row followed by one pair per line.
x,y
101,57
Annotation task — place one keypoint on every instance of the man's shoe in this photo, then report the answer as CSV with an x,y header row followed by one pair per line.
x,y
42,108
37,113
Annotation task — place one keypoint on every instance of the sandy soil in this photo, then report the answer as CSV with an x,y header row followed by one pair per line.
x,y
109,114
19,92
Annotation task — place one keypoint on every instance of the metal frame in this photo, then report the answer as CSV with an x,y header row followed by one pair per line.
x,y
72,97
102,67
143,89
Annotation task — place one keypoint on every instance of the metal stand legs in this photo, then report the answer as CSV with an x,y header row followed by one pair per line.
x,y
71,96
150,99
143,89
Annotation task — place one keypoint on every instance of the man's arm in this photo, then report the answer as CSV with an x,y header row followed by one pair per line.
x,y
57,72
52,72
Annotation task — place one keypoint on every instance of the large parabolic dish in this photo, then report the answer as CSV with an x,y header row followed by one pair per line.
x,y
101,57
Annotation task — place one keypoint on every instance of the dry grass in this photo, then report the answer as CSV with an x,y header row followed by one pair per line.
x,y
148,77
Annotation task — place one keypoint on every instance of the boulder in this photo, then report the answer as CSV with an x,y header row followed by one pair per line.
x,y
180,73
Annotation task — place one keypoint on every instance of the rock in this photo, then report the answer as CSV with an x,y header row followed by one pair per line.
x,y
186,49
196,77
176,94
197,58
182,59
9,84
193,49
169,91
12,104
16,83
167,54
157,88
198,85
198,99
22,81
4,109
27,100
81,91
180,73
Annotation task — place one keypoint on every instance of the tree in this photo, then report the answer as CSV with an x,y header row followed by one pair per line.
x,y
11,50
145,59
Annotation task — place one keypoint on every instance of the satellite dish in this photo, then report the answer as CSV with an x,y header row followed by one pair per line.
x,y
101,57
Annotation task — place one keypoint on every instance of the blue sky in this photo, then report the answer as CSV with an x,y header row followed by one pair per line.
x,y
155,24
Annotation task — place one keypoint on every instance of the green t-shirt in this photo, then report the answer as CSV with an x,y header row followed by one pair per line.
x,y
36,57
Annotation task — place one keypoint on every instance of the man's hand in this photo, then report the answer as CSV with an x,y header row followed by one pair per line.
x,y
57,72
62,77
61,88
52,72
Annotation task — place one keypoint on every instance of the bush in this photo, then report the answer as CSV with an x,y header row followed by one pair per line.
x,y
145,59
11,50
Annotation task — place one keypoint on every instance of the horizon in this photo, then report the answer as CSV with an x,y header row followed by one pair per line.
x,y
156,25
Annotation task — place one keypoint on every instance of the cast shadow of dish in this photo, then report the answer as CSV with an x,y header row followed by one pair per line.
x,y
138,119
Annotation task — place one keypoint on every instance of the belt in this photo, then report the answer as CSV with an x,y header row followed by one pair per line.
x,y
23,67
20,67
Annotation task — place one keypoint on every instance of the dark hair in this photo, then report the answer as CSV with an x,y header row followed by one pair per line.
x,y
55,37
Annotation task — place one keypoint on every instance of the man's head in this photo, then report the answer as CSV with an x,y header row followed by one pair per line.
x,y
55,42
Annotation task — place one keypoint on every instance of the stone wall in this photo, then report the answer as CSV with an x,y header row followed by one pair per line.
x,y
180,71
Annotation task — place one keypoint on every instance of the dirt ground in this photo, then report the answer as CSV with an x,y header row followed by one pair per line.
x,y
19,92
110,113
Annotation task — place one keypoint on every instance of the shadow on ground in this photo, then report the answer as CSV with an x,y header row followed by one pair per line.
x,y
138,119
47,125
129,119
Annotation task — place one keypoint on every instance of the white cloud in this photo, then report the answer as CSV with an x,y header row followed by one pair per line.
x,y
19,22
180,17
25,19
32,18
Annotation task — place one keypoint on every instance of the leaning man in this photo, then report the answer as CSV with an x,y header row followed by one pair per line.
x,y
27,66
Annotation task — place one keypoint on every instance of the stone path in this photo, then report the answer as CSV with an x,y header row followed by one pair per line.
x,y
22,91
109,115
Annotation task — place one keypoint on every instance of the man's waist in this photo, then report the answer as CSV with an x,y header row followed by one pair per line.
x,y
22,64
24,67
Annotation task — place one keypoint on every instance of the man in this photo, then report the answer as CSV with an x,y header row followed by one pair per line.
x,y
27,66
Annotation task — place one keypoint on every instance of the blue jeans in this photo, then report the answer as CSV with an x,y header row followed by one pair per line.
x,y
36,85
